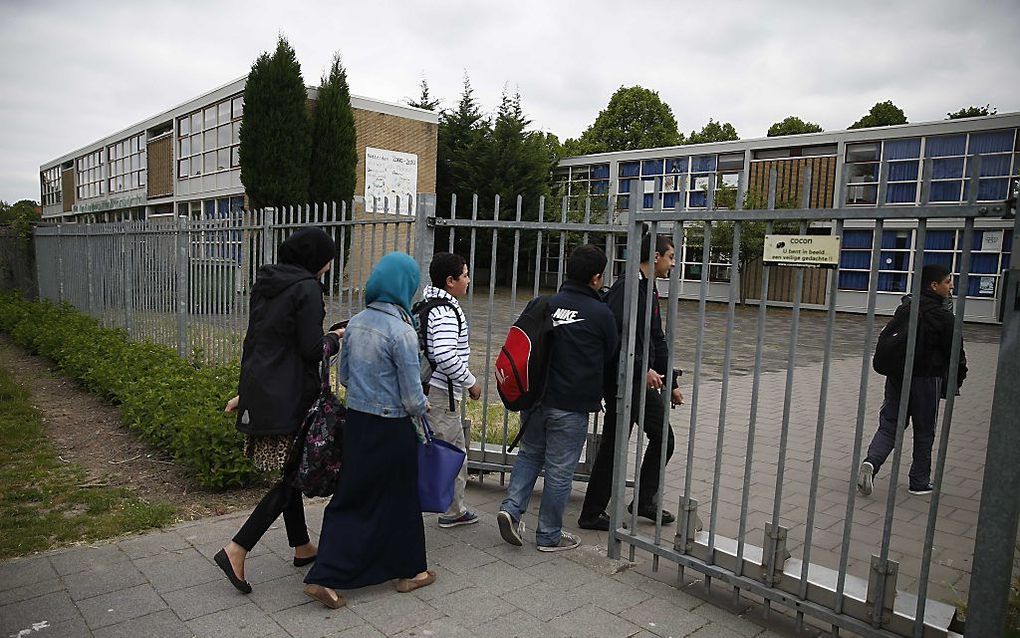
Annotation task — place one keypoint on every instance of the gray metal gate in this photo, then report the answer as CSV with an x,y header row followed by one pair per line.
x,y
756,560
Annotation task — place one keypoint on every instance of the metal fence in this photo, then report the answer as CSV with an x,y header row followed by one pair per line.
x,y
185,283
868,603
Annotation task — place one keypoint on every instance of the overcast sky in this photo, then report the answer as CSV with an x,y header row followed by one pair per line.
x,y
73,72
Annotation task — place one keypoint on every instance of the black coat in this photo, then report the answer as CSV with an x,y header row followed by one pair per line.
x,y
282,349
658,349
935,339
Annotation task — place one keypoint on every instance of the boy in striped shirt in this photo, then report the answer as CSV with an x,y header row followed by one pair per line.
x,y
447,344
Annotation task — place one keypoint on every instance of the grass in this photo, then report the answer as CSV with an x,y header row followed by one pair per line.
x,y
44,502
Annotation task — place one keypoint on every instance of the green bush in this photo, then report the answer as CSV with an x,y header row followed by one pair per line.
x,y
174,405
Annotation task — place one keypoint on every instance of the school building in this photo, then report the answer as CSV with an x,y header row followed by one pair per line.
x,y
186,160
846,168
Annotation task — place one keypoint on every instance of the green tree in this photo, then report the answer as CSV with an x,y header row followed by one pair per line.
x,y
713,132
792,125
333,169
634,118
882,114
425,100
462,136
275,131
972,111
19,215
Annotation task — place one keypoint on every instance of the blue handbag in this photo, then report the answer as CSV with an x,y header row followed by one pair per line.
x,y
439,463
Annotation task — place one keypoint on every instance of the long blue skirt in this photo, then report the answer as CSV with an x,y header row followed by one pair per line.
x,y
372,529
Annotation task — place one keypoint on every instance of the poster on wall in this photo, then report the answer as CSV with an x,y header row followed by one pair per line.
x,y
987,286
991,241
390,175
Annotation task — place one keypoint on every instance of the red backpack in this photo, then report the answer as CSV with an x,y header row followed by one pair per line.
x,y
523,360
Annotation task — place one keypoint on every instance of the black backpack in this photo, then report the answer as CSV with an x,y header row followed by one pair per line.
x,y
421,310
891,349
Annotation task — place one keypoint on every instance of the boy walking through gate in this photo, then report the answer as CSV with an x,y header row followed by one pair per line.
x,y
447,346
593,512
583,342
927,386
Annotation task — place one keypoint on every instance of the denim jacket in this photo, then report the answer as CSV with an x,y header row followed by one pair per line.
x,y
379,363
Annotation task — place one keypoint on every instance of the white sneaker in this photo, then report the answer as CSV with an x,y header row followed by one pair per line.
x,y
567,541
866,478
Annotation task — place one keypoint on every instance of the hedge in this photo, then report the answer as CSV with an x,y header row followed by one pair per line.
x,y
172,404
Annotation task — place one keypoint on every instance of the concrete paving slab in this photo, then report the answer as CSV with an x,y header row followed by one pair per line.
x,y
162,624
118,606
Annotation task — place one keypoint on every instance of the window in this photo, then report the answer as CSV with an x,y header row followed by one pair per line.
x,y
903,159
89,168
50,186
127,164
209,139
952,156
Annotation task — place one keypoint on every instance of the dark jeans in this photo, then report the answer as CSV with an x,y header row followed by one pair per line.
x,y
921,411
281,499
600,484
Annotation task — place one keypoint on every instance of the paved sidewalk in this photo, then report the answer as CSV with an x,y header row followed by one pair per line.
x,y
164,584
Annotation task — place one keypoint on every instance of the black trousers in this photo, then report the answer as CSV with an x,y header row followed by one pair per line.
x,y
282,498
600,484
923,405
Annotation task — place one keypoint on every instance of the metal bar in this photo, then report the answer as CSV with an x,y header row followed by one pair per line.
x,y
996,534
182,286
883,558
991,211
563,246
488,327
624,382
724,392
538,245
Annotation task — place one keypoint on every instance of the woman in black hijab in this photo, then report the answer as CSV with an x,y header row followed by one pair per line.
x,y
278,384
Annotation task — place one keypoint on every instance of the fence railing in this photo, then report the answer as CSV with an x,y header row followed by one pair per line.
x,y
185,283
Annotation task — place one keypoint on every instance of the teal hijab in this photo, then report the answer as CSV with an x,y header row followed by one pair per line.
x,y
394,280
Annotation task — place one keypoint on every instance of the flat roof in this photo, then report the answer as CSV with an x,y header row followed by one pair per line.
x,y
938,127
224,91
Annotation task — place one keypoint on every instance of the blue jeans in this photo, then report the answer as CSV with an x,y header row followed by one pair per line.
x,y
552,441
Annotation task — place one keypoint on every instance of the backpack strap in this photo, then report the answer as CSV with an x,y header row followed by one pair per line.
x,y
423,325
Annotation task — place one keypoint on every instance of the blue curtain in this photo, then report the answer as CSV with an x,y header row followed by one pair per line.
x,y
892,282
630,169
651,167
944,145
940,240
901,193
703,163
945,192
855,259
902,149
993,142
947,168
853,280
902,171
600,171
857,239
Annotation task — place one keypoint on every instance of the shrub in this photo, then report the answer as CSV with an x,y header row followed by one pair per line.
x,y
172,404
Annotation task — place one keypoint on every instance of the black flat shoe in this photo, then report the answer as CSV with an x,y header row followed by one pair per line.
x,y
223,563
598,523
301,562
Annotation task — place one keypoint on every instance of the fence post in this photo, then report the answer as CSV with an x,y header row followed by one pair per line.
x,y
424,235
60,268
182,286
267,236
88,269
129,273
995,538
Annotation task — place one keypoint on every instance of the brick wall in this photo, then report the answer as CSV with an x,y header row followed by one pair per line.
x,y
392,133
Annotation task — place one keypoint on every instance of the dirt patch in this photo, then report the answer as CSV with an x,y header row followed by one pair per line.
x,y
88,431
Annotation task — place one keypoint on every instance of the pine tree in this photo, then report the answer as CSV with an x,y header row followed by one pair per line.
x,y
333,170
462,135
275,132
424,100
